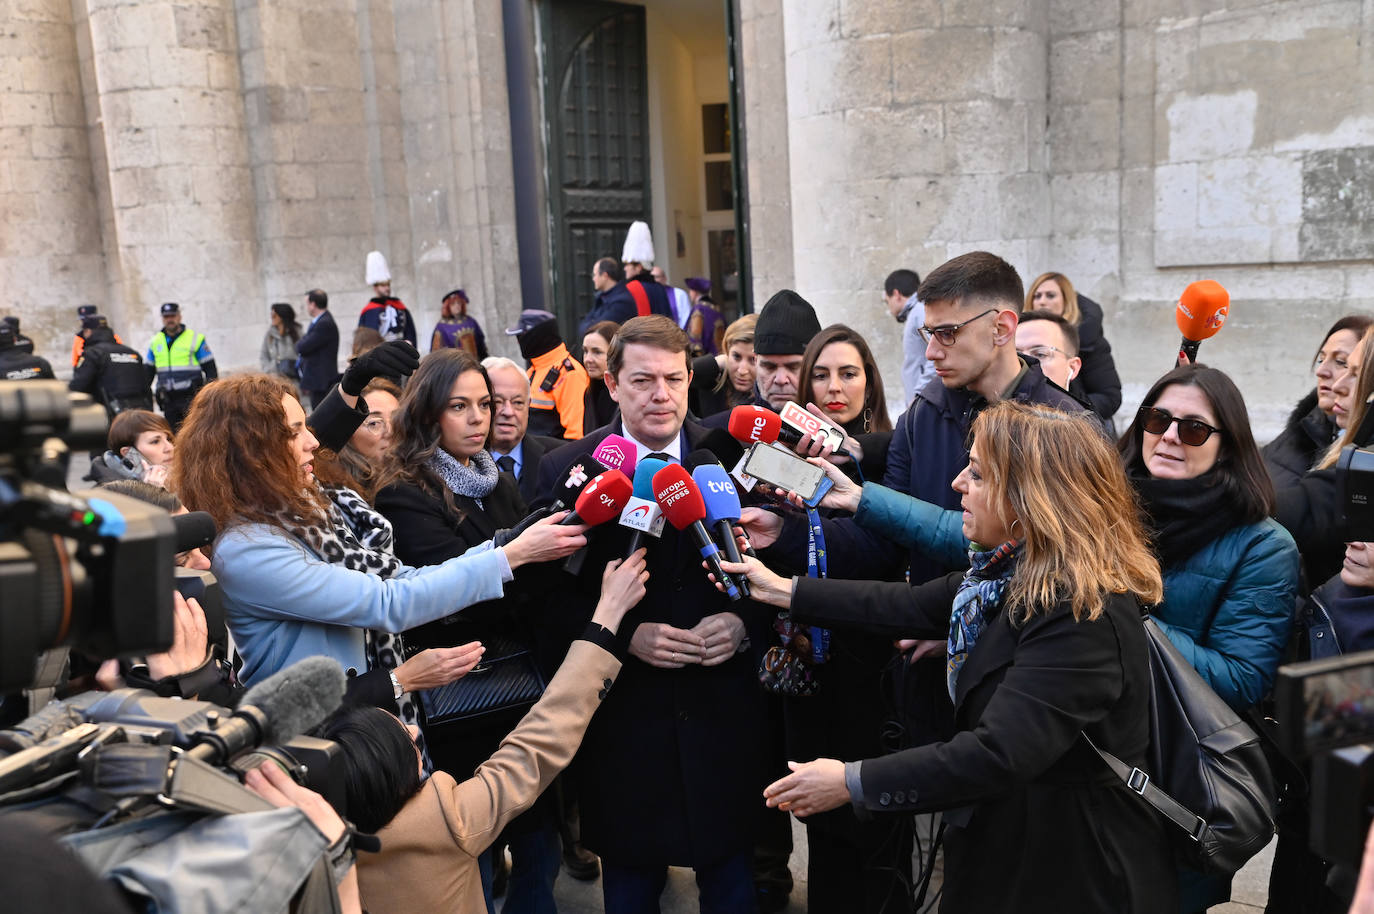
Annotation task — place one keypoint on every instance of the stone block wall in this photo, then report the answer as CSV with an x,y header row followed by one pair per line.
x,y
1135,146
231,153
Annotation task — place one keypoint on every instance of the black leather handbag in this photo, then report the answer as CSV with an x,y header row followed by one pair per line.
x,y
507,679
1210,775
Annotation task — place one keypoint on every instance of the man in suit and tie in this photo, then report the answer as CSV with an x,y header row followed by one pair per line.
x,y
669,775
318,349
514,451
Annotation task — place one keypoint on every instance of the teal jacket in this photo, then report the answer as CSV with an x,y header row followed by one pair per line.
x,y
1227,608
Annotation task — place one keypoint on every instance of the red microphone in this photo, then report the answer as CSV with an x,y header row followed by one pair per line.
x,y
601,500
1202,309
756,424
680,498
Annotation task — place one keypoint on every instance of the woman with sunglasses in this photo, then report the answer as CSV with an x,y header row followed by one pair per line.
x,y
1230,571
1314,422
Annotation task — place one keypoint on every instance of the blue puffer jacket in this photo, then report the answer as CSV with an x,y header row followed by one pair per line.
x,y
1227,608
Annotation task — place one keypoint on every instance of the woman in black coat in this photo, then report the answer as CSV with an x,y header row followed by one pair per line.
x,y
1313,425
1097,381
1043,644
443,494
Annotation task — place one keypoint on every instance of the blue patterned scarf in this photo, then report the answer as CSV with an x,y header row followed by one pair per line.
x,y
977,601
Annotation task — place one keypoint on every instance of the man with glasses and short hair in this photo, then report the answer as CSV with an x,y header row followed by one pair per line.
x,y
514,451
1053,342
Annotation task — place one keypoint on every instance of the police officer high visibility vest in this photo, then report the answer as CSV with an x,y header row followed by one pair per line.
x,y
178,370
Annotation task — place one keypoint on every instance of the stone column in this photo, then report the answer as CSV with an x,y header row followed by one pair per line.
x,y
764,124
915,133
457,157
50,256
174,182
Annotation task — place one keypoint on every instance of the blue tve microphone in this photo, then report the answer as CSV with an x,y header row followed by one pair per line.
x,y
722,511
642,514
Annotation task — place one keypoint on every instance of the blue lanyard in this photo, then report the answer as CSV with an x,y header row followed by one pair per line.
x,y
816,568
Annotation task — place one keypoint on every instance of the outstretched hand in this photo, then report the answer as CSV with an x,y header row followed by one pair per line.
x,y
545,540
812,787
764,585
439,666
622,587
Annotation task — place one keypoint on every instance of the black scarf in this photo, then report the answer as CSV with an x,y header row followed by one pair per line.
x,y
1185,514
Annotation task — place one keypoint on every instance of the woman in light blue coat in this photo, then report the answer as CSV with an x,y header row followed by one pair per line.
x,y
306,575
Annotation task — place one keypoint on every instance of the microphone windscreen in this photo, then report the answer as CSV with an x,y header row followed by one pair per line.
x,y
575,478
644,477
678,496
618,453
604,497
297,698
1202,309
699,458
718,492
194,530
721,443
754,423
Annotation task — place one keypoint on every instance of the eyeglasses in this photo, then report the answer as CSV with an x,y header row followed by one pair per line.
x,y
377,426
947,335
1192,432
1043,353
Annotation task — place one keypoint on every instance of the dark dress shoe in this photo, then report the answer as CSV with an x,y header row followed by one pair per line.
x,y
581,863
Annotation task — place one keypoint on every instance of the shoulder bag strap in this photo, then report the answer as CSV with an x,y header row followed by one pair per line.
x,y
1139,782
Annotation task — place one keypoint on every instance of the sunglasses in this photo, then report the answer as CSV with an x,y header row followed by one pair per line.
x,y
947,334
1192,432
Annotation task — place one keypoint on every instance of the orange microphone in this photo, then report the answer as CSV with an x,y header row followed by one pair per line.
x,y
1202,309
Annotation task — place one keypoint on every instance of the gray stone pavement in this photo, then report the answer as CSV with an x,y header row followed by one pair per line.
x,y
1249,890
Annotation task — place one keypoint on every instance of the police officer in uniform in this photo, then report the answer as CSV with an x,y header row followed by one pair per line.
x,y
182,363
15,363
110,371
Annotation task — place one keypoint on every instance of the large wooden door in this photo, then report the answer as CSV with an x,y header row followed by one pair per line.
x,y
596,102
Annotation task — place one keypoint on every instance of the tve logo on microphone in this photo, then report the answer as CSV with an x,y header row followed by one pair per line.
x,y
715,485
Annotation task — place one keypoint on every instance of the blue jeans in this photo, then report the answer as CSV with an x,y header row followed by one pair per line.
x,y
726,887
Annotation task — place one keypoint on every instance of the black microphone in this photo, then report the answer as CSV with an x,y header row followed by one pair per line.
x,y
574,479
723,446
194,529
281,707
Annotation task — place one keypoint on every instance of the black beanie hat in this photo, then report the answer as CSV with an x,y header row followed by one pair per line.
x,y
539,339
786,324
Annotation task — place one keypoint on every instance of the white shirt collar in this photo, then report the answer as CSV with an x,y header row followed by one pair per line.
x,y
642,450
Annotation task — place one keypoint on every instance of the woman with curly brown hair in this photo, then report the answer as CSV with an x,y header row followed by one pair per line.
x,y
301,574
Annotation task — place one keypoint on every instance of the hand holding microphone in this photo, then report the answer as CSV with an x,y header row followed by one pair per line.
x,y
756,424
1202,309
546,540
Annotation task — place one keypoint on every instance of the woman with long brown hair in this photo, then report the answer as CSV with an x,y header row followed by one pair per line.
x,y
1043,643
302,574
